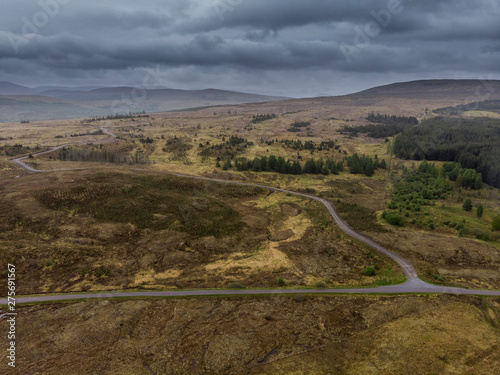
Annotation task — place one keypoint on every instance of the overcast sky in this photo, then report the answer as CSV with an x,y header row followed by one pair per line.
x,y
282,47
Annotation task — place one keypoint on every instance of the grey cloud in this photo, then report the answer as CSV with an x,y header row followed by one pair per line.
x,y
270,45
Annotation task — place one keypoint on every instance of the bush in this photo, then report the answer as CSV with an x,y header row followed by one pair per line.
x,y
496,223
281,281
480,235
320,284
465,231
299,298
479,211
236,286
370,271
393,218
467,205
437,277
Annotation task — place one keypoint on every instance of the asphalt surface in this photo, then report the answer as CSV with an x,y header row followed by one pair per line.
x,y
412,285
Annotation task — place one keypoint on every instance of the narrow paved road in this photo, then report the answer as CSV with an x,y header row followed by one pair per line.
x,y
412,285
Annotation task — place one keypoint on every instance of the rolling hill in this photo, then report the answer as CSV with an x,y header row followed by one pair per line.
x,y
18,103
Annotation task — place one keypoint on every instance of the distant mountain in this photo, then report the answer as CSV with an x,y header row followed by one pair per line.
x,y
64,103
7,88
451,89
119,93
22,103
42,89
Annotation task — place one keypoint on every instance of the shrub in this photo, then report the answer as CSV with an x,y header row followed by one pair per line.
x,y
281,281
320,284
480,235
236,286
479,211
370,271
299,297
496,223
464,232
437,277
467,205
393,218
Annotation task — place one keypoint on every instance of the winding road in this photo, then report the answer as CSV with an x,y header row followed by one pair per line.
x,y
412,285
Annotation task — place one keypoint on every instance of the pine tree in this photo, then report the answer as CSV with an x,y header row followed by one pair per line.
x,y
310,167
479,211
467,205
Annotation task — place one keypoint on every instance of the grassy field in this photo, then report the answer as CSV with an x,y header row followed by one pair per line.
x,y
190,142
114,228
266,335
81,231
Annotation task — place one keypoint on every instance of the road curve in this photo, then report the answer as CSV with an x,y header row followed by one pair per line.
x,y
406,266
412,285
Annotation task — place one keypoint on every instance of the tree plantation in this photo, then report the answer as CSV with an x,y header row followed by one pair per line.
x,y
473,143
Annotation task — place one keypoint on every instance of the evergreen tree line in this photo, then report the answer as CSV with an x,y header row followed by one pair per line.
x,y
284,166
309,145
101,156
298,125
488,105
388,126
228,149
262,118
299,145
118,116
364,164
473,143
389,120
97,132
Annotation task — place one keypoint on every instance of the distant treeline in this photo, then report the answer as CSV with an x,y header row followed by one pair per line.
x,y
489,105
364,164
307,145
298,125
230,148
118,116
357,165
101,156
283,166
262,118
473,143
97,132
388,125
392,120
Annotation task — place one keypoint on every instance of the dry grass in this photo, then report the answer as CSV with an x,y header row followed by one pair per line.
x,y
266,335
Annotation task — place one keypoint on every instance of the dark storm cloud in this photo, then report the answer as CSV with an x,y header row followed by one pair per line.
x,y
288,47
